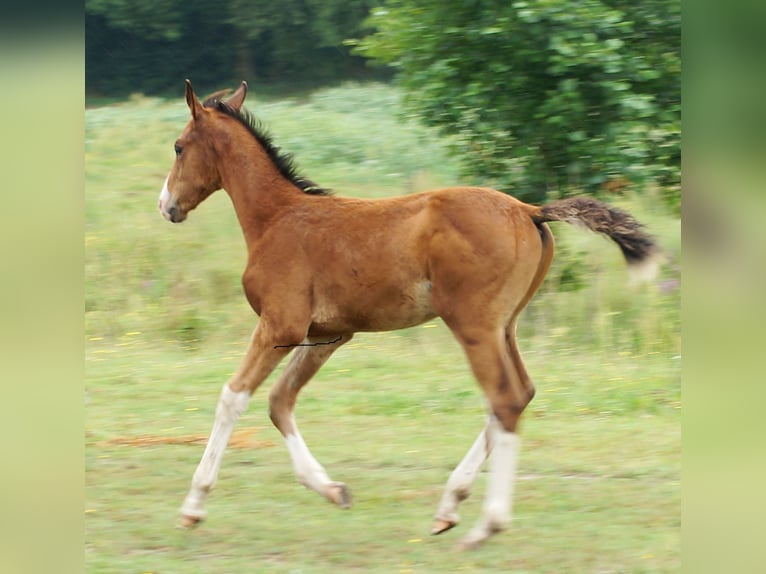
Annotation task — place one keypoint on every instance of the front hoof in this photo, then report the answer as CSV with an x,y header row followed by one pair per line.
x,y
339,494
441,526
188,522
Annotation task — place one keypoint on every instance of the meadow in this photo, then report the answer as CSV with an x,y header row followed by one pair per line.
x,y
391,414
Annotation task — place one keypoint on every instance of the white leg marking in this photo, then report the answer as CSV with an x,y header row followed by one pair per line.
x,y
462,478
164,198
230,406
308,470
496,510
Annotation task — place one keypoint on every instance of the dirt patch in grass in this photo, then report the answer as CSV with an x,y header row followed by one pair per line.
x,y
241,438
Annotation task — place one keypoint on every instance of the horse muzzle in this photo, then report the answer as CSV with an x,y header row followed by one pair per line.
x,y
168,207
173,214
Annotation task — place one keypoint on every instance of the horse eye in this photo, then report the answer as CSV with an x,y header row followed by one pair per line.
x,y
178,149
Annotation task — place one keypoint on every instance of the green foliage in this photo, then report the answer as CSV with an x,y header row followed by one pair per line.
x,y
146,46
161,19
553,95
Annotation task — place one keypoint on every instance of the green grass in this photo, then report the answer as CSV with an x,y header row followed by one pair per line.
x,y
392,413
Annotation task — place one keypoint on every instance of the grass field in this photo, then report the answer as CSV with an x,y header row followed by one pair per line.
x,y
392,413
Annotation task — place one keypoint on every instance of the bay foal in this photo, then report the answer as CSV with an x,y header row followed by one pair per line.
x,y
321,268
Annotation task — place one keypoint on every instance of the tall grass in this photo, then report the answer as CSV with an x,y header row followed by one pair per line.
x,y
590,302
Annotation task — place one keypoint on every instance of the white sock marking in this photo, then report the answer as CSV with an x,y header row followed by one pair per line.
x,y
462,478
230,406
308,470
502,472
496,509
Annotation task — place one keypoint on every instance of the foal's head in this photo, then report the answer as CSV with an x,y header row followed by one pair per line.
x,y
194,175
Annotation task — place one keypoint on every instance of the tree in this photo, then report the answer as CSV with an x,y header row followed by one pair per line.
x,y
545,95
159,19
148,45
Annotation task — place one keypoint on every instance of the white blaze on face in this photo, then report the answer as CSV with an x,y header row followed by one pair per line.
x,y
164,199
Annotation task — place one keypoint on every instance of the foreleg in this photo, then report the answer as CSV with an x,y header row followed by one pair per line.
x,y
306,361
260,360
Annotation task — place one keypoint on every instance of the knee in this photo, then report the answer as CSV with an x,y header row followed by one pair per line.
x,y
232,404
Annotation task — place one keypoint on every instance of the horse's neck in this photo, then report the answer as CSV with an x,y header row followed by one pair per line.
x,y
258,191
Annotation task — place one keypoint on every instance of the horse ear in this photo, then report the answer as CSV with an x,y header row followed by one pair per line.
x,y
191,100
237,98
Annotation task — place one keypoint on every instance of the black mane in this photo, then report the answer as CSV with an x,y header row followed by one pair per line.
x,y
284,162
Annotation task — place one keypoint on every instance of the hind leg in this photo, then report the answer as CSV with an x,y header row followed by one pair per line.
x,y
479,299
461,480
498,501
503,380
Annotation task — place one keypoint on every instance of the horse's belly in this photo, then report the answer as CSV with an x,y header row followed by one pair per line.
x,y
376,310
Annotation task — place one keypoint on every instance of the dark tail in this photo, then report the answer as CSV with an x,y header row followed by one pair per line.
x,y
637,245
